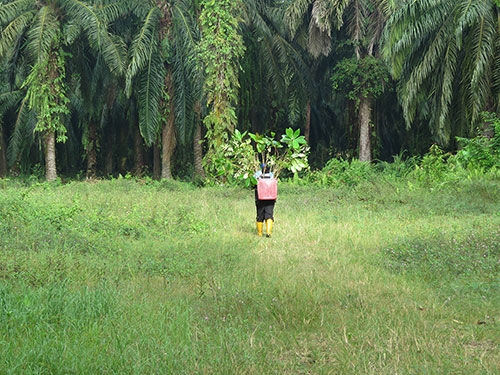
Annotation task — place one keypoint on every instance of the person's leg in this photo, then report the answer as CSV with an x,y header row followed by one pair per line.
x,y
269,217
260,226
260,217
269,227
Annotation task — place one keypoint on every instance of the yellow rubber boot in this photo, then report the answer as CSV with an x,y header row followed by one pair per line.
x,y
260,225
269,227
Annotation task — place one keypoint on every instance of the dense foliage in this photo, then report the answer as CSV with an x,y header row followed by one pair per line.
x,y
107,87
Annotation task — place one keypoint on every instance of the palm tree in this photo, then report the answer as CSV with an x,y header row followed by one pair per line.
x,y
276,81
41,31
446,56
18,121
162,74
93,96
7,101
3,153
362,22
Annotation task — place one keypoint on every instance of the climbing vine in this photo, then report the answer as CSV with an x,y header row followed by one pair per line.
x,y
220,50
46,94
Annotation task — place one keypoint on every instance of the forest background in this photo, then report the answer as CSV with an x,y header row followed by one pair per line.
x,y
105,87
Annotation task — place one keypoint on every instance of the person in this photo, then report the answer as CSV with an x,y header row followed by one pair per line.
x,y
265,208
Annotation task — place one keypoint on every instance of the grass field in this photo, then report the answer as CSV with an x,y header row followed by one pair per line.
x,y
142,277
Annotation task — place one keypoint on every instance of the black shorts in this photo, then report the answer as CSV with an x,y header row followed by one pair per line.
x,y
265,210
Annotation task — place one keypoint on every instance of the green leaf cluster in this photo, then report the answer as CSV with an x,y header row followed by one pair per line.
x,y
237,160
482,152
358,78
46,94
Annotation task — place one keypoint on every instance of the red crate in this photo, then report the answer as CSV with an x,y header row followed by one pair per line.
x,y
267,188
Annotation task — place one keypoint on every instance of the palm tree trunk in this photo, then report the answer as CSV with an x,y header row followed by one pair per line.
x,y
156,161
364,115
168,146
168,132
138,153
3,155
92,151
49,140
109,153
199,172
307,131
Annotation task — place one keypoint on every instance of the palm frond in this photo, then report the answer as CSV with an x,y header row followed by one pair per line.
x,y
418,49
479,49
72,30
113,10
95,26
10,34
295,14
187,73
352,14
445,95
23,134
183,102
143,47
295,108
446,53
12,10
9,99
496,76
43,34
114,52
150,94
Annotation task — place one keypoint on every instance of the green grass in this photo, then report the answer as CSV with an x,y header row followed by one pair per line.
x,y
139,277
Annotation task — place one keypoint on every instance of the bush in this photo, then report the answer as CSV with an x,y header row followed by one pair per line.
x,y
338,172
482,152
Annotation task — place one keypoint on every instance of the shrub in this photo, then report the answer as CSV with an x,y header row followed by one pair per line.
x,y
435,169
338,172
237,160
482,152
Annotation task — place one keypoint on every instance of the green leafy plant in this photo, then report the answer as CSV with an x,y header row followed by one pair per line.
x,y
238,159
46,94
339,172
289,153
435,168
219,49
481,152
360,78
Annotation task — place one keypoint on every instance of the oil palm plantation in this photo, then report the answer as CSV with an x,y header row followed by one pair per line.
x,y
361,23
446,56
41,33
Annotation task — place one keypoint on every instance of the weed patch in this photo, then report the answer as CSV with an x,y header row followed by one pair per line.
x,y
464,263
